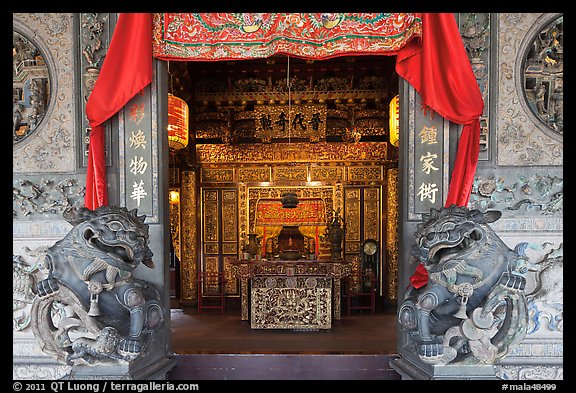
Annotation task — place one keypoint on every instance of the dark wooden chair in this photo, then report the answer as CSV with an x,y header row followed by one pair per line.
x,y
360,292
211,288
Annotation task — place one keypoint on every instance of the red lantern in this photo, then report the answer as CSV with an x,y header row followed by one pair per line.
x,y
177,123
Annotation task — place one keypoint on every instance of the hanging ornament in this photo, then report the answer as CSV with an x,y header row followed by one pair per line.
x,y
178,117
394,121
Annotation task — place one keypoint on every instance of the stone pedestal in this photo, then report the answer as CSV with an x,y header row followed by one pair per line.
x,y
150,367
419,371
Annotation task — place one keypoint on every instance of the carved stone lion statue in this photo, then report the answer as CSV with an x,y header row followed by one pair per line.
x,y
89,307
472,308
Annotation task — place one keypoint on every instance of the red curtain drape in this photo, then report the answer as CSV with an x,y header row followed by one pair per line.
x,y
438,68
435,64
241,36
126,70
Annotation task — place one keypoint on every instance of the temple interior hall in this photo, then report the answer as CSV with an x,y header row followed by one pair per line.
x,y
334,158
288,196
269,191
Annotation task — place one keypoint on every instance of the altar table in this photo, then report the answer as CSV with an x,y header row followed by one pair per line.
x,y
298,295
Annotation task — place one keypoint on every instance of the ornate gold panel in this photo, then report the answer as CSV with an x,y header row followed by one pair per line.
x,y
210,196
217,175
293,152
365,173
210,248
392,233
211,267
210,217
291,302
296,121
326,173
352,219
290,173
254,174
229,216
230,248
231,286
372,193
372,213
188,235
229,196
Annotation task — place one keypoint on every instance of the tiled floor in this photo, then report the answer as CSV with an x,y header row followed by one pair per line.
x,y
214,333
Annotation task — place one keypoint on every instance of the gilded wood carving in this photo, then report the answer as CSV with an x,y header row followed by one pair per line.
x,y
283,302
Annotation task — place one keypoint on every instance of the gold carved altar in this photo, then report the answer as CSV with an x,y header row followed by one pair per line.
x,y
300,295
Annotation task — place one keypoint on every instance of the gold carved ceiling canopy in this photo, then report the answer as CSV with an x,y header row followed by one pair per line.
x,y
281,99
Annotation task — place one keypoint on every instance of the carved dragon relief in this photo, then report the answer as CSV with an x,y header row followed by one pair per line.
x,y
90,308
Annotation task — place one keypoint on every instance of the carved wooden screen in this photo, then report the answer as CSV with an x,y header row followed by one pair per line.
x,y
219,243
362,207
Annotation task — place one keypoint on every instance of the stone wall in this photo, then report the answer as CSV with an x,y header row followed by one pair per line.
x,y
45,181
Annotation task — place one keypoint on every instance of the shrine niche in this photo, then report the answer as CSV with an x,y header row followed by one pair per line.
x,y
307,222
323,176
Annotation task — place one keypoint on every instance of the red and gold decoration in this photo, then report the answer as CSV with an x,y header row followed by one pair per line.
x,y
178,117
450,86
307,212
308,215
435,64
395,121
127,69
230,36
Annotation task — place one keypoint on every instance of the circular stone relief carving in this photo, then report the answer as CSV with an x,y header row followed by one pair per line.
x,y
291,282
31,87
543,71
311,282
270,282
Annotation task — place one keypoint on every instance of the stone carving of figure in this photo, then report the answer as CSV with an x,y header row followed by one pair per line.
x,y
105,314
455,317
540,104
558,101
16,114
